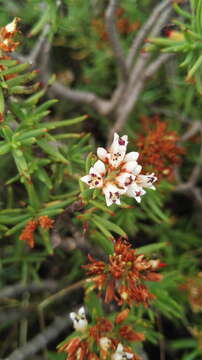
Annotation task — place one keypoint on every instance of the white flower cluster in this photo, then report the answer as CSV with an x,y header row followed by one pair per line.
x,y
118,173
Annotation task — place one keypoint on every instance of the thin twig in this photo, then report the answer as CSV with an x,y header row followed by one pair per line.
x,y
143,58
81,97
132,94
24,322
39,45
161,338
156,64
44,63
114,38
189,187
124,111
145,29
63,292
192,130
138,75
42,328
37,49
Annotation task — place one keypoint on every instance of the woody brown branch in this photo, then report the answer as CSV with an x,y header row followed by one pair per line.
x,y
114,38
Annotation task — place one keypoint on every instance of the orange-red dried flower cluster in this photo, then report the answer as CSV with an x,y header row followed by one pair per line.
x,y
101,340
193,287
122,278
158,147
123,25
27,233
7,44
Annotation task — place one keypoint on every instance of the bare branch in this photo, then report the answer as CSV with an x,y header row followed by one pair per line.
x,y
42,339
198,197
132,93
18,289
125,110
189,187
81,97
156,64
37,50
114,38
145,29
161,21
137,78
62,293
196,170
144,57
192,130
39,45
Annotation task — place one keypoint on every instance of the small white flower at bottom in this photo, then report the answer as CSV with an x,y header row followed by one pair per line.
x,y
112,194
105,343
11,27
80,322
120,354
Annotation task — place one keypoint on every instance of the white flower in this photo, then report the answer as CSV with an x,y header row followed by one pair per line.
x,y
112,194
11,27
146,180
132,166
131,156
105,343
154,263
6,42
135,191
102,154
125,179
95,177
117,150
79,320
120,354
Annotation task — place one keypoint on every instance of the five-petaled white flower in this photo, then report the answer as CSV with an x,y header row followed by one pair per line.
x,y
79,320
95,177
112,194
120,354
118,173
